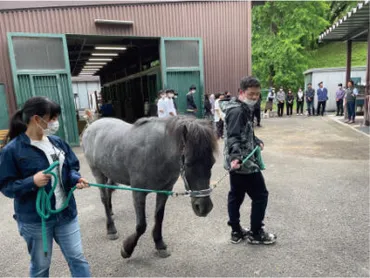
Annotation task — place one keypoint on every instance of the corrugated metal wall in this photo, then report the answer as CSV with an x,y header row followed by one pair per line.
x,y
224,27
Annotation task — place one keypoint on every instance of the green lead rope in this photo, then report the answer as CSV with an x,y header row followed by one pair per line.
x,y
43,200
260,163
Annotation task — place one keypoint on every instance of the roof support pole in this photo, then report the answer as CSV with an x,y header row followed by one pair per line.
x,y
349,60
367,85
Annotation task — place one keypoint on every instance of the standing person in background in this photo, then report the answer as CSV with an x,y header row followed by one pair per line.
x,y
227,95
171,103
280,97
339,98
219,116
191,107
162,110
289,103
351,94
310,99
212,101
322,97
270,100
257,111
300,102
207,108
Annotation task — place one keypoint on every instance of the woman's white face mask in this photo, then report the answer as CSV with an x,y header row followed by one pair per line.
x,y
52,127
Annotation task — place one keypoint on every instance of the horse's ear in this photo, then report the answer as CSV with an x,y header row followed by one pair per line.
x,y
185,133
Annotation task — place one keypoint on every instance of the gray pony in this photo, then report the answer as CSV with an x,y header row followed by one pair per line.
x,y
151,154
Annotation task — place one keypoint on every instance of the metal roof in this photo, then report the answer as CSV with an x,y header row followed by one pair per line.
x,y
354,26
25,5
338,69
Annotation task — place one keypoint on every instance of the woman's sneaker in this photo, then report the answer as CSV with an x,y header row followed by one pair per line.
x,y
238,236
262,237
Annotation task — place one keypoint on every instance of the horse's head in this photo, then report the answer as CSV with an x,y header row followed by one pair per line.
x,y
197,144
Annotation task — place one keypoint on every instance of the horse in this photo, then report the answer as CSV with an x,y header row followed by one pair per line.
x,y
151,154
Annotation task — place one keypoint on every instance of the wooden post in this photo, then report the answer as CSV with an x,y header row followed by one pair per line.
x,y
349,60
367,85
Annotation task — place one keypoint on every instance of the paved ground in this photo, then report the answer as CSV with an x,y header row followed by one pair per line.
x,y
318,178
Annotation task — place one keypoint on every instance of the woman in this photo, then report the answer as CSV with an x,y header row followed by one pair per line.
x,y
30,150
270,100
300,102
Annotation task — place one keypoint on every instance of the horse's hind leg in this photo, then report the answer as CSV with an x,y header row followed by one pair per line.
x,y
110,191
106,198
130,243
157,230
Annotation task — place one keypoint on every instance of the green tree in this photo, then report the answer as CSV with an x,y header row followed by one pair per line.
x,y
338,9
282,34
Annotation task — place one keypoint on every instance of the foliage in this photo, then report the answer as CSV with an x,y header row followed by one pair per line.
x,y
338,9
285,37
335,55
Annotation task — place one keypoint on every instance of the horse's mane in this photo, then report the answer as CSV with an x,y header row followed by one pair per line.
x,y
197,135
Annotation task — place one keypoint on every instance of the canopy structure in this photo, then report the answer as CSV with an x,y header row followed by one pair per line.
x,y
354,27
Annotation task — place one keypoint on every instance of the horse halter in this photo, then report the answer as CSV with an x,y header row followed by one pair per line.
x,y
192,193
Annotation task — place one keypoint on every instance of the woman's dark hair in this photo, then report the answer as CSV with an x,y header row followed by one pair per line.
x,y
39,106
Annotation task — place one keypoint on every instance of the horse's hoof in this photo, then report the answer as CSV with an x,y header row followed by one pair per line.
x,y
163,253
113,236
124,254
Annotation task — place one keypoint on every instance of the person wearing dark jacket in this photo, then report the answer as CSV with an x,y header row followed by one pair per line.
x,y
257,111
310,99
29,150
280,97
191,107
207,108
240,141
289,103
322,97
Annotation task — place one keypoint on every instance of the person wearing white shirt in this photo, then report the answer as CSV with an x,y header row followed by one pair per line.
x,y
170,103
162,109
219,116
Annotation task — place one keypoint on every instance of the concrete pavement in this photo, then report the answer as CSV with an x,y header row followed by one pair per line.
x,y
318,178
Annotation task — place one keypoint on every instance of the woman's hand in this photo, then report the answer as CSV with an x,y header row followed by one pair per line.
x,y
82,183
41,179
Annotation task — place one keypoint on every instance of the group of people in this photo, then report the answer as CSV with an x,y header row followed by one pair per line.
x,y
283,99
344,98
166,106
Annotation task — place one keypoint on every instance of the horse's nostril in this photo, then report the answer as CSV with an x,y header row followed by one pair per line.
x,y
197,208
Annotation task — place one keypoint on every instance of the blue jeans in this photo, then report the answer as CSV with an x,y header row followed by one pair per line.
x,y
66,234
310,108
351,110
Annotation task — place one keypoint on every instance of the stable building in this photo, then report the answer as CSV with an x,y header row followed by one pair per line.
x,y
135,47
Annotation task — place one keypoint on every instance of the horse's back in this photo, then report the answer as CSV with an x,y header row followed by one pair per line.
x,y
101,137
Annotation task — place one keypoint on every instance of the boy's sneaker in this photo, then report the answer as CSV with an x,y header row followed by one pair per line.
x,y
262,237
238,236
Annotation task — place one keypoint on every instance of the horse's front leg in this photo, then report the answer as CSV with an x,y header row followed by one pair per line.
x,y
130,243
106,198
157,230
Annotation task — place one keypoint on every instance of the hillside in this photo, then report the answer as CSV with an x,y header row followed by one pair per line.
x,y
334,55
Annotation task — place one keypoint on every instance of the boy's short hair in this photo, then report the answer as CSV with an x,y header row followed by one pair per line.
x,y
249,82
